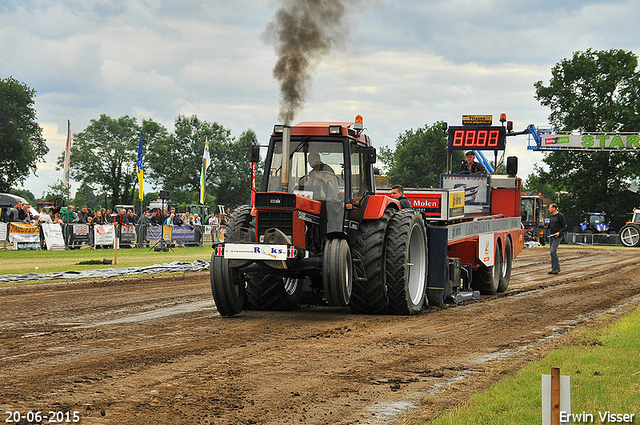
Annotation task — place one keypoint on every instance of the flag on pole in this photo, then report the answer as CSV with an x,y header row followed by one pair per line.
x,y
205,164
67,157
140,168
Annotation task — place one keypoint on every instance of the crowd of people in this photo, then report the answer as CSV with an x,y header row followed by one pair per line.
x,y
23,213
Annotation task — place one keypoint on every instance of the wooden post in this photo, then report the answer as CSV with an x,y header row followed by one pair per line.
x,y
555,396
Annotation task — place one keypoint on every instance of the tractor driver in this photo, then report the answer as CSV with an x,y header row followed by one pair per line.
x,y
320,177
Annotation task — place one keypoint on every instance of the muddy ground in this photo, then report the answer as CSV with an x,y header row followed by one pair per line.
x,y
154,350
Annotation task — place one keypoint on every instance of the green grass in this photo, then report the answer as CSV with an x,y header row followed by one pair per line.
x,y
604,366
22,262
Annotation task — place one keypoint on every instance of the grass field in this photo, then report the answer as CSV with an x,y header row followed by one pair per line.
x,y
22,262
604,368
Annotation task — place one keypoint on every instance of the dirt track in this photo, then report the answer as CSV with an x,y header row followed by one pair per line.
x,y
153,350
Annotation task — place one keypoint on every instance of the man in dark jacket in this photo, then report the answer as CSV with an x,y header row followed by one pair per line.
x,y
557,227
471,166
397,193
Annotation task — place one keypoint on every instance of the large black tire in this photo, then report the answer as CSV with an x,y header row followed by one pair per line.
x,y
507,262
406,262
370,296
273,292
226,286
337,271
487,279
630,235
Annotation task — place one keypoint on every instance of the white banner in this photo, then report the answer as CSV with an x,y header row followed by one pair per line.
x,y
24,236
591,141
104,234
53,236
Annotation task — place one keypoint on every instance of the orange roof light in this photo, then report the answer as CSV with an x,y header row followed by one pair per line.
x,y
357,125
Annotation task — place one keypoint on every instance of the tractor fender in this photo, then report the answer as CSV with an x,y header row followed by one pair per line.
x,y
376,206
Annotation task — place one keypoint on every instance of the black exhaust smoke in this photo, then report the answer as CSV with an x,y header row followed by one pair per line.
x,y
302,32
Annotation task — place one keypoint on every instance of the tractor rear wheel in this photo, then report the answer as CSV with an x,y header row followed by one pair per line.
x,y
370,295
487,279
630,235
337,271
507,262
406,262
273,292
227,287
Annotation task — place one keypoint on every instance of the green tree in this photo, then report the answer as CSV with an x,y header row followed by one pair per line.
x,y
591,92
175,161
419,158
232,171
58,190
21,141
103,156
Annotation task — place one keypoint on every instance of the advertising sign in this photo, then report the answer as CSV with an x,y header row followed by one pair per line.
x,y
127,234
183,234
104,234
53,236
591,141
80,234
476,187
24,236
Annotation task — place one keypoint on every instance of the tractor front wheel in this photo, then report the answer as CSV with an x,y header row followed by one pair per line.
x,y
227,287
337,272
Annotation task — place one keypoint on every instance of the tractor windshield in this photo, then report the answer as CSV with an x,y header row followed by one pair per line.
x,y
317,170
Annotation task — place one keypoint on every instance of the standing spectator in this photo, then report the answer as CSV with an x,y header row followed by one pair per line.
x,y
397,193
57,219
28,217
17,214
141,229
98,218
215,227
44,217
178,219
83,214
557,227
197,225
156,218
90,224
169,220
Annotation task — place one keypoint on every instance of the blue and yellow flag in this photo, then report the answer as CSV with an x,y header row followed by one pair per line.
x,y
140,168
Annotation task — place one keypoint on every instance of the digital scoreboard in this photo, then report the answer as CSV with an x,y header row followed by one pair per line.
x,y
477,137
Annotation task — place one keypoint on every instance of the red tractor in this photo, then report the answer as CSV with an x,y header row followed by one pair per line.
x,y
317,228
630,233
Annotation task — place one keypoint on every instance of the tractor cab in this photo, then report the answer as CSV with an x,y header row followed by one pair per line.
x,y
327,166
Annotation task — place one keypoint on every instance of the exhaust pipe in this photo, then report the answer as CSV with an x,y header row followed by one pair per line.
x,y
286,163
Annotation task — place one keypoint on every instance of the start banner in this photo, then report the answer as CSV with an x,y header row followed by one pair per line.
x,y
622,142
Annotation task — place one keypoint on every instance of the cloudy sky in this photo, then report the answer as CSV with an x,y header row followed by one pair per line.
x,y
402,64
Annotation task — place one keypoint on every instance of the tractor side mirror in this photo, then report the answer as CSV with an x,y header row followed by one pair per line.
x,y
255,153
370,155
